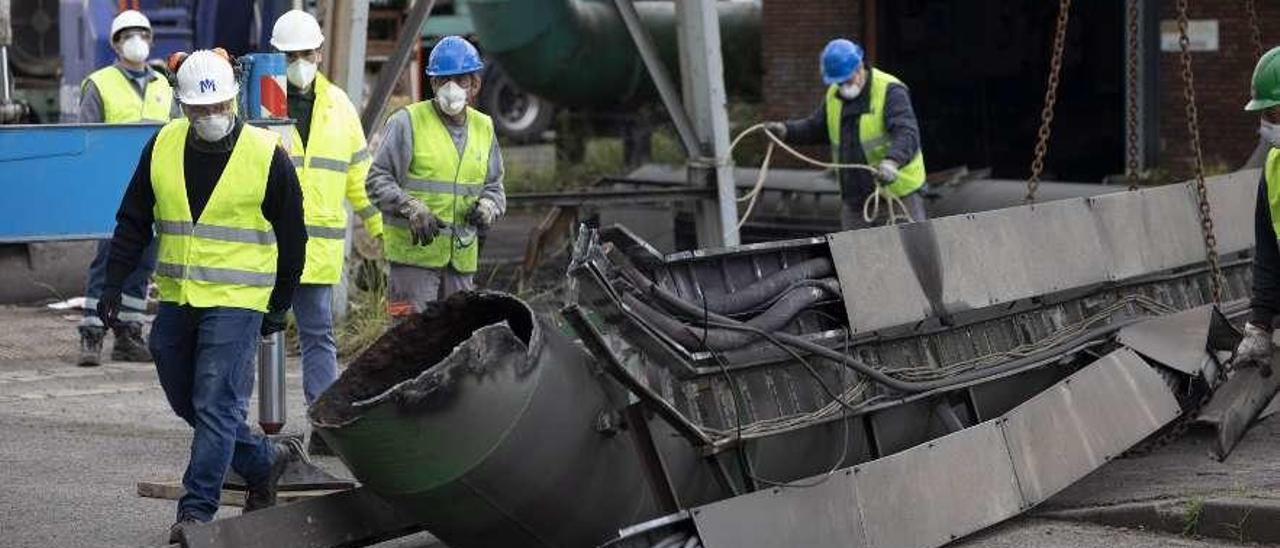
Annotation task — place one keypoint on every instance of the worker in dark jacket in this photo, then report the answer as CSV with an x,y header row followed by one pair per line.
x,y
226,206
1257,347
866,117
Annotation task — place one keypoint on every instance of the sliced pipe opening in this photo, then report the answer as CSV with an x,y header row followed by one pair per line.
x,y
416,346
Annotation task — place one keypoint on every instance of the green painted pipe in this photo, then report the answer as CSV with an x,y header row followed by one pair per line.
x,y
577,53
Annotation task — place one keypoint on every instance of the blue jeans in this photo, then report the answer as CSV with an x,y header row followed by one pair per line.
x,y
203,358
313,312
134,293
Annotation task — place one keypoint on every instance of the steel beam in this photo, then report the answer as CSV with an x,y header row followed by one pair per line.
x,y
702,67
661,77
390,72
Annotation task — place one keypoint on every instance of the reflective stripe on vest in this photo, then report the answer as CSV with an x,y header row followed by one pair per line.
x,y
121,103
874,138
334,141
228,257
448,183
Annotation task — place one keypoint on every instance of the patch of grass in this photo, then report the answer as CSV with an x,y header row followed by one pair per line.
x,y
1191,517
367,317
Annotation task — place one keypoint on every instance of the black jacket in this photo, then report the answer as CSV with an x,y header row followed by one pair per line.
x,y
900,124
203,164
1266,263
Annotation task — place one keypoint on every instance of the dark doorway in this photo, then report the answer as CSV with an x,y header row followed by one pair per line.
x,y
977,72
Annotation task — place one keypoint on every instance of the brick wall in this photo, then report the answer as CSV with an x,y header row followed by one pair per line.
x,y
794,33
1227,133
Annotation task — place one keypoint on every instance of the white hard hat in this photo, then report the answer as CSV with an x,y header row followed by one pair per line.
x,y
129,19
296,30
206,78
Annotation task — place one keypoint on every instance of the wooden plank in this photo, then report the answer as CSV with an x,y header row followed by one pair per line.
x,y
172,490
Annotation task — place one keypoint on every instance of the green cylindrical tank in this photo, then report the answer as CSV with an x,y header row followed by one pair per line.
x,y
577,53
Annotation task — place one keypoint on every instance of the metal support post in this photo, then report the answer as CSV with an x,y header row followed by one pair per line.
x,y
661,77
702,70
391,70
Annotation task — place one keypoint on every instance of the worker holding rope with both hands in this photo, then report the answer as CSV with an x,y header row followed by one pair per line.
x,y
867,119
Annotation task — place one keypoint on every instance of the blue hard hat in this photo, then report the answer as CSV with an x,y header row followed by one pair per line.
x,y
453,55
840,59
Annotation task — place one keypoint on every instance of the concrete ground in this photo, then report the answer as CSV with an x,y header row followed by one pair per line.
x,y
77,440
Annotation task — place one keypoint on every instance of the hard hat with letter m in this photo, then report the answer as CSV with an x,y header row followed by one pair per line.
x,y
840,59
452,56
205,78
1266,82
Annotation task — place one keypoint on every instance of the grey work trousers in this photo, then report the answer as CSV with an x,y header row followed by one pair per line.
x,y
410,288
851,213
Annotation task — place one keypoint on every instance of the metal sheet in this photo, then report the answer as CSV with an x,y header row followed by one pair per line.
x,y
1148,230
824,515
1084,421
924,496
1179,341
871,265
1232,199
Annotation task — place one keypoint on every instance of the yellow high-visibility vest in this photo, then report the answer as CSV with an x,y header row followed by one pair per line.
x,y
872,133
228,257
448,184
121,103
332,166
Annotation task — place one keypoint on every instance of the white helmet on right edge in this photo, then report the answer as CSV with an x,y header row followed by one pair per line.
x,y
206,78
296,30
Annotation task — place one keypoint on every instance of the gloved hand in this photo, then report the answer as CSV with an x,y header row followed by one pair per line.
x,y
273,322
109,307
887,172
423,226
482,213
778,129
1254,350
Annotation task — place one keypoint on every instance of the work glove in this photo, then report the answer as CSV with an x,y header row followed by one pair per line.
x,y
887,172
778,129
273,322
482,213
109,307
1254,350
423,226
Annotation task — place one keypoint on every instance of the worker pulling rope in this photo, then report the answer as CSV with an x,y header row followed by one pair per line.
x,y
896,210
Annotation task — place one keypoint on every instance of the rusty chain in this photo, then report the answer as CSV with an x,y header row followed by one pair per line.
x,y
1193,128
1050,97
1131,172
1255,28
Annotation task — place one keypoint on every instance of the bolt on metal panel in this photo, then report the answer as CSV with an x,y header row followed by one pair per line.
x,y
924,496
1147,230
824,515
1084,421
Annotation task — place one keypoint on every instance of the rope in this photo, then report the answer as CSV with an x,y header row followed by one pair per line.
x,y
895,209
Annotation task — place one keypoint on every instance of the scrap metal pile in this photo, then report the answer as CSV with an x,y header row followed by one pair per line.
x,y
859,389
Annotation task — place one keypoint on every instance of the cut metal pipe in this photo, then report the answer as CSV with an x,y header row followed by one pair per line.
x,y
271,403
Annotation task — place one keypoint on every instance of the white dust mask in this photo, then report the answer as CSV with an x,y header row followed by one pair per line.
x,y
451,98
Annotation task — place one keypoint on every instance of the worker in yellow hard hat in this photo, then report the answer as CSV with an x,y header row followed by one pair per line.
x,y
866,117
1257,348
125,92
437,178
330,155
226,207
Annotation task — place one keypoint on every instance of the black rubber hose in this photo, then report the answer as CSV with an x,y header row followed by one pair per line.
x,y
766,289
773,319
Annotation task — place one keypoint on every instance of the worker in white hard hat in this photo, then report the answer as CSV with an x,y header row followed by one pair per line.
x,y
437,178
226,206
128,91
329,152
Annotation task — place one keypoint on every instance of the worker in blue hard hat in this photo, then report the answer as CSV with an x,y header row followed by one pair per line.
x,y
437,178
866,118
128,91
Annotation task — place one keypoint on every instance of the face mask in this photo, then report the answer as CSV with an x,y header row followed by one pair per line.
x,y
849,91
1270,133
451,98
135,49
301,73
213,127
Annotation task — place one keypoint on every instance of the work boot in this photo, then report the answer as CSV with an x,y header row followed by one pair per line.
x,y
91,345
257,497
130,346
175,530
316,446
